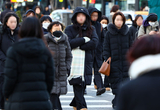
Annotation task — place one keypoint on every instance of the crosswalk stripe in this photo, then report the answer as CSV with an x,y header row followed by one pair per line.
x,y
73,96
90,106
88,101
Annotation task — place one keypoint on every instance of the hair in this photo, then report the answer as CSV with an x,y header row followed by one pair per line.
x,y
136,18
6,17
8,5
31,27
87,23
37,7
147,45
54,23
104,17
115,8
116,14
30,13
45,18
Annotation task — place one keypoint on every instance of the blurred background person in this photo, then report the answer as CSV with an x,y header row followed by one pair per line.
x,y
29,70
135,27
142,92
96,15
114,9
104,22
8,9
150,25
30,13
46,11
116,44
7,38
38,12
45,21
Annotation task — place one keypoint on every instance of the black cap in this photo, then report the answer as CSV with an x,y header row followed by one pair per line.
x,y
152,17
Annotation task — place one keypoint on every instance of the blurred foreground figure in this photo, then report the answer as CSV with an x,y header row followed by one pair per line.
x,y
142,93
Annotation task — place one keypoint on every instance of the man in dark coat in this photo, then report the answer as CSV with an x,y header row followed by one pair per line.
x,y
29,76
8,9
95,21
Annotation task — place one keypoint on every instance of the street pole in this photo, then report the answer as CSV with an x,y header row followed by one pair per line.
x,y
137,5
103,7
77,3
87,4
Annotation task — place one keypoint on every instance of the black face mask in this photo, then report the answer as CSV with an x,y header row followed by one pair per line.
x,y
57,33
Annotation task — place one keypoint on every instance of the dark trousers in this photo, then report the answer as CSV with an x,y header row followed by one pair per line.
x,y
1,93
106,82
97,76
55,102
78,100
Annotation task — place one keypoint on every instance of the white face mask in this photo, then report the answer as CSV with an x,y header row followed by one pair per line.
x,y
104,25
152,23
45,25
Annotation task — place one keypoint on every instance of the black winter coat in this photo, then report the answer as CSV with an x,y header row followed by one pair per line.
x,y
6,40
141,93
88,47
29,76
63,58
116,44
99,30
134,31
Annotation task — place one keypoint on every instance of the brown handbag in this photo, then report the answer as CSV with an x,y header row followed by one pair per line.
x,y
105,68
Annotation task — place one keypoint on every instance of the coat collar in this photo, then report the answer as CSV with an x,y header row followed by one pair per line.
x,y
144,64
113,29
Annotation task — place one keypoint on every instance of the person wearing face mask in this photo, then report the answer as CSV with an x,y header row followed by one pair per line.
x,y
104,22
95,15
45,21
149,26
58,43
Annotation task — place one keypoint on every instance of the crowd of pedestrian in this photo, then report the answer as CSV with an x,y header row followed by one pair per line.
x,y
38,56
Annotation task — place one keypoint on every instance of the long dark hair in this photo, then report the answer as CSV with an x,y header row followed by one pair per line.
x,y
31,27
7,16
87,24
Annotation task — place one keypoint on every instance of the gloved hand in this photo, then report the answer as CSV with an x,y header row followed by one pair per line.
x,y
87,39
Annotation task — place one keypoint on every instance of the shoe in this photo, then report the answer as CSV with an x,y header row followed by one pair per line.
x,y
108,89
95,86
101,91
85,92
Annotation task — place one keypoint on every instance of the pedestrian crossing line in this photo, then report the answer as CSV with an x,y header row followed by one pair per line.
x,y
61,97
88,101
90,106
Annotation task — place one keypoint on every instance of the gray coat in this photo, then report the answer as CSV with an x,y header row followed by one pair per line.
x,y
63,58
